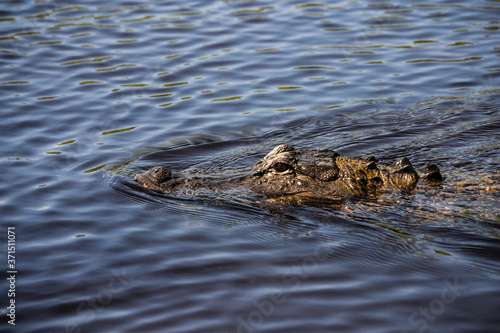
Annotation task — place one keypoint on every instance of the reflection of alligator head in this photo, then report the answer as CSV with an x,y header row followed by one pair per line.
x,y
287,172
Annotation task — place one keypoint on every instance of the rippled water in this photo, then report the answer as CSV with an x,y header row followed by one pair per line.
x,y
93,93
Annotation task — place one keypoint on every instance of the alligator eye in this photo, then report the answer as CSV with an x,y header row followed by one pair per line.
x,y
281,167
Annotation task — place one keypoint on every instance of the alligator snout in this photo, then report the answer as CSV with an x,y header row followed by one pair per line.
x,y
155,178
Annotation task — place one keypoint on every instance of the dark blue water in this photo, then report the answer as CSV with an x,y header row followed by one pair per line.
x,y
94,92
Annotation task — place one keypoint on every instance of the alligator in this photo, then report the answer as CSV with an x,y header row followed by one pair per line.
x,y
289,172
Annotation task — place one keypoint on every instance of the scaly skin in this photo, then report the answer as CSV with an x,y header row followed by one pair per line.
x,y
287,172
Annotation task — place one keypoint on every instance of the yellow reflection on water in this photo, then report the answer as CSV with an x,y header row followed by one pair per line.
x,y
161,95
118,130
314,67
127,41
135,85
15,82
459,44
97,168
66,142
86,24
124,7
290,87
86,61
59,10
441,60
113,68
174,56
424,41
175,84
161,25
226,99
49,97
89,82
20,34
267,50
46,43
186,13
147,17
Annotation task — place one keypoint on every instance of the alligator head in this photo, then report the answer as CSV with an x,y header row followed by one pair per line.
x,y
286,172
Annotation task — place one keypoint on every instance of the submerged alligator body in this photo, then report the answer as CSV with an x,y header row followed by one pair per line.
x,y
286,172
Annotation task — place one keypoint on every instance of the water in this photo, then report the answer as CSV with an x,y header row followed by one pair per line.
x,y
93,93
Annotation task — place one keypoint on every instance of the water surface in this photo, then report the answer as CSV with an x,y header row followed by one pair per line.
x,y
93,93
